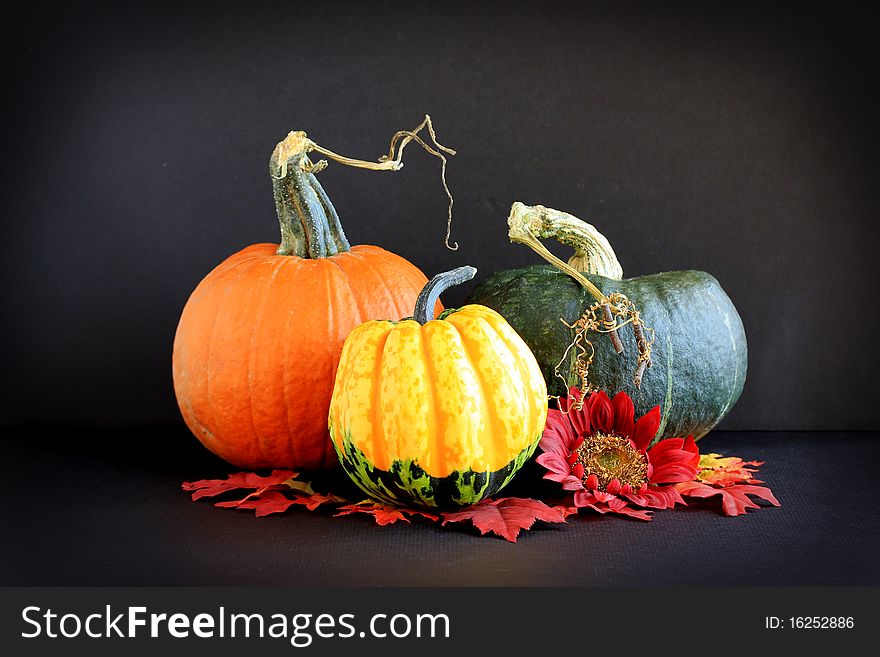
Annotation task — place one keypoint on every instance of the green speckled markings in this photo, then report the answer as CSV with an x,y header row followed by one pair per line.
x,y
405,483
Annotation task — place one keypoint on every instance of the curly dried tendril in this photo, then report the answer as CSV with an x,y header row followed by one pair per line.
x,y
592,255
298,142
609,317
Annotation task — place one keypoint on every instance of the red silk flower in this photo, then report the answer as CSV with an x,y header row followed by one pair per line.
x,y
600,452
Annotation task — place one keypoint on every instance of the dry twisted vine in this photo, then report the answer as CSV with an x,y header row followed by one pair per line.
x,y
298,142
609,313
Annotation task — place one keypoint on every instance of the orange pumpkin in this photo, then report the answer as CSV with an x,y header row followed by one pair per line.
x,y
259,339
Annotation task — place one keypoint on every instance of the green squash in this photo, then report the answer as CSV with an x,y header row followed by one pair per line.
x,y
698,358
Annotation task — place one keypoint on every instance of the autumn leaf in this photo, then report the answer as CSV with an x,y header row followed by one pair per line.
x,y
725,471
730,479
236,481
620,507
304,487
273,494
734,498
309,498
506,516
566,510
383,514
266,503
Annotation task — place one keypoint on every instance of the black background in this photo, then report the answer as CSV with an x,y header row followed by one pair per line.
x,y
735,139
732,138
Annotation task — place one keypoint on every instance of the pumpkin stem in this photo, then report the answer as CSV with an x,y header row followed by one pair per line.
x,y
592,251
429,295
310,227
593,255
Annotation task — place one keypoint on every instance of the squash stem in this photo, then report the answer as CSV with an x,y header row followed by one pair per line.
x,y
592,251
310,226
522,231
424,311
592,254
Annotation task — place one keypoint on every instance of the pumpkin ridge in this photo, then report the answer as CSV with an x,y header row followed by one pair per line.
x,y
342,383
402,434
380,275
488,404
246,266
337,261
291,441
329,265
520,394
333,305
666,409
378,433
448,336
492,319
431,376
668,399
735,378
261,309
399,267
439,464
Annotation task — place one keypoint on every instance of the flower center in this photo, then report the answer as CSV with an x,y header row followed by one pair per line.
x,y
612,457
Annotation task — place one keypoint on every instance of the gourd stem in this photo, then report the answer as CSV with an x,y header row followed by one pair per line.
x,y
593,255
310,227
592,251
424,311
521,226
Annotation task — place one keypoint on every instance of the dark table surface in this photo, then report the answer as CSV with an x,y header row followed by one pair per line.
x,y
105,507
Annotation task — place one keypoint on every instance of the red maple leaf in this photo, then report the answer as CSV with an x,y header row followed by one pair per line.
x,y
506,516
620,507
238,480
734,498
271,494
384,514
264,503
566,510
308,497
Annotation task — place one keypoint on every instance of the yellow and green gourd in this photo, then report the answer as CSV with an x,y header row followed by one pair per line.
x,y
438,413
